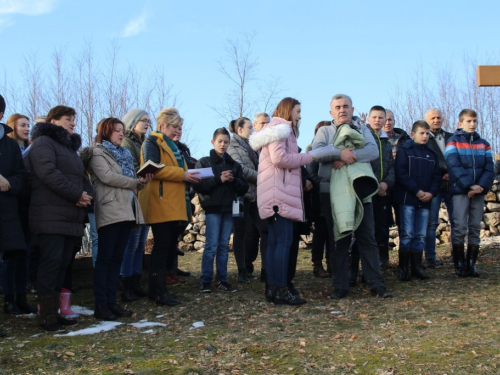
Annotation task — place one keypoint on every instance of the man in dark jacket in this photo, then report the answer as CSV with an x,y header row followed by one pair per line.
x,y
437,142
417,182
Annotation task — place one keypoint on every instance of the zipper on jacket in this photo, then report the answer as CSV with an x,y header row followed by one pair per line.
x,y
473,159
381,161
161,189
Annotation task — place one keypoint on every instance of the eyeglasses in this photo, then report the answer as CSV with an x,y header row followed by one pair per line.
x,y
145,120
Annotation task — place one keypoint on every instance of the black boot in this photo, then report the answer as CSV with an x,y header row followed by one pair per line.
x,y
136,286
243,276
128,294
118,311
472,254
459,260
404,265
270,292
10,306
23,305
48,314
416,265
183,273
157,285
383,251
284,297
104,313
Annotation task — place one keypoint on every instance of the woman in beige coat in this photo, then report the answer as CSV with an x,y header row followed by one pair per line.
x,y
117,210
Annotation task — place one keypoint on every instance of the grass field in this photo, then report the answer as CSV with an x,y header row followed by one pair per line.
x,y
444,325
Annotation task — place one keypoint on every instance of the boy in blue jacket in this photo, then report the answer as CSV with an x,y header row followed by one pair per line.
x,y
470,165
417,181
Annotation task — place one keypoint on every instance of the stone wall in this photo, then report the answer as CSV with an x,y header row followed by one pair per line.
x,y
194,238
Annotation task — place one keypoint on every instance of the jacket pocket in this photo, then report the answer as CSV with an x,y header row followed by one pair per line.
x,y
108,198
160,188
286,176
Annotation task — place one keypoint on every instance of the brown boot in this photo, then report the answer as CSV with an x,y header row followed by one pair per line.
x,y
48,314
319,271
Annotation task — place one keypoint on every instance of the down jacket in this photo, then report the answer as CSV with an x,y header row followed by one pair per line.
x,y
164,198
279,182
239,153
12,169
113,200
350,186
217,196
57,181
383,166
417,168
470,162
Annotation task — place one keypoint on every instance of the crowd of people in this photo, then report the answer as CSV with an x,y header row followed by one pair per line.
x,y
262,188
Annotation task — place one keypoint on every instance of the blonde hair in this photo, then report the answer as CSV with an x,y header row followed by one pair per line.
x,y
11,122
170,117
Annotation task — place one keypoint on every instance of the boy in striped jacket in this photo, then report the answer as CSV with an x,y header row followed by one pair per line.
x,y
470,165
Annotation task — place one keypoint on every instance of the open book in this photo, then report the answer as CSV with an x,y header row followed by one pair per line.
x,y
149,167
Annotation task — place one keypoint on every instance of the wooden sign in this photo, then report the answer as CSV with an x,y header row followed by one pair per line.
x,y
488,75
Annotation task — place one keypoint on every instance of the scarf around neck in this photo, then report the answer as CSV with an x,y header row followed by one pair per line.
x,y
122,156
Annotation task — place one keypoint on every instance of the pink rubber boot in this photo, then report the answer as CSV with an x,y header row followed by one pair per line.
x,y
65,306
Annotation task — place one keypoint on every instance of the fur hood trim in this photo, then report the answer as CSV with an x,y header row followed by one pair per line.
x,y
270,134
58,134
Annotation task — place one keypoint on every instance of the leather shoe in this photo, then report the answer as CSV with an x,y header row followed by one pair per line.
x,y
339,293
118,311
104,313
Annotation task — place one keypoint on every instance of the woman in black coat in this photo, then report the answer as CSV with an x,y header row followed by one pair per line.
x,y
57,207
12,183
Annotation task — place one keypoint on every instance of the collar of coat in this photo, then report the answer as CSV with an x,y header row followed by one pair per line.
x,y
270,134
4,130
216,159
58,134
132,136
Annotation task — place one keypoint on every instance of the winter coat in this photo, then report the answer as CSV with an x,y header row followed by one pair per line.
x,y
433,144
417,168
383,166
239,153
115,196
397,139
57,181
469,161
216,196
324,138
497,167
133,144
186,154
164,198
350,186
12,169
279,182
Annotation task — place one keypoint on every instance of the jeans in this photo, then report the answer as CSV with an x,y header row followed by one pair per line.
x,y
112,241
134,251
368,252
413,227
56,252
14,272
430,238
93,236
278,250
218,232
467,216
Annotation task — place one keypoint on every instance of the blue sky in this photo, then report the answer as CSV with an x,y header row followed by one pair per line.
x,y
316,48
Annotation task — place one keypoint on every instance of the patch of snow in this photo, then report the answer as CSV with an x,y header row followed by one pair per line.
x,y
148,331
159,316
93,329
82,310
145,323
197,325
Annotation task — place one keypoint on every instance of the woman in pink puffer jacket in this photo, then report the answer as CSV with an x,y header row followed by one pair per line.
x,y
279,193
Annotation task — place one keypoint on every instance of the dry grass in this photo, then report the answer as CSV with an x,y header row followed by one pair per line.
x,y
444,325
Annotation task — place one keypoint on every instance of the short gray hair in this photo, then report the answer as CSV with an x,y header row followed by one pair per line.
x,y
340,96
432,110
263,114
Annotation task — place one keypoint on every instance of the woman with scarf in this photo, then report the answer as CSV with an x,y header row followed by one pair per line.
x,y
117,210
165,201
241,152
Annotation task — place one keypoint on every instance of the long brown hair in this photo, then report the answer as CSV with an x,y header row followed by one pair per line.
x,y
285,107
11,122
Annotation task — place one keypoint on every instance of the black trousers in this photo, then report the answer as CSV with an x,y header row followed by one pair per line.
x,y
164,249
113,239
320,239
326,210
246,232
56,251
